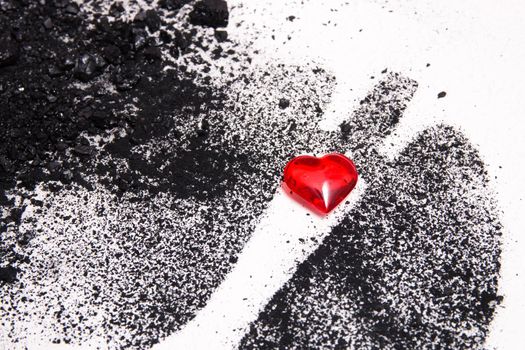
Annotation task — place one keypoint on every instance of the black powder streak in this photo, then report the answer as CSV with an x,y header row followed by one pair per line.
x,y
44,115
184,153
186,139
46,120
381,267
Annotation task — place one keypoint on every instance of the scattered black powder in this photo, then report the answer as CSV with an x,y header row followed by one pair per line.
x,y
9,50
152,243
414,265
60,97
130,180
138,170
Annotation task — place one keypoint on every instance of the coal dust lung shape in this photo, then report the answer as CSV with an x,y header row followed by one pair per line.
x,y
413,266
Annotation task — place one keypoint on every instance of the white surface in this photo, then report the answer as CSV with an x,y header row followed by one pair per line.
x,y
477,54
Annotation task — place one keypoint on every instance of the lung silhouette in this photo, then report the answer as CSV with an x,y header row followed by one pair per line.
x,y
414,265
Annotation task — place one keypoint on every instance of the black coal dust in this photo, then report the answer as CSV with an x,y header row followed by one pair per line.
x,y
138,148
415,265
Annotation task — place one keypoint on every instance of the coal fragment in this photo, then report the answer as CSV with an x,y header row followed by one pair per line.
x,y
182,40
72,9
15,215
152,20
53,166
139,135
284,103
68,63
210,13
99,61
221,35
442,94
9,51
139,38
153,53
8,274
125,79
86,67
217,52
61,146
66,177
140,16
122,185
83,150
54,71
149,18
165,37
25,237
203,128
102,119
48,23
112,54
61,3
116,9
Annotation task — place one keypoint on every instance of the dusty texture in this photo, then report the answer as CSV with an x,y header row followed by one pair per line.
x,y
415,265
139,147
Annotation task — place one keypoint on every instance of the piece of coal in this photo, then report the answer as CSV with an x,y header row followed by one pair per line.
x,y
221,35
68,63
124,79
102,119
140,38
284,103
152,20
54,71
165,37
116,9
210,13
83,150
203,128
61,3
72,9
86,67
112,54
9,51
48,23
153,53
8,274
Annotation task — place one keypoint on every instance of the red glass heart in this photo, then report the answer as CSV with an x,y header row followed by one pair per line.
x,y
320,183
